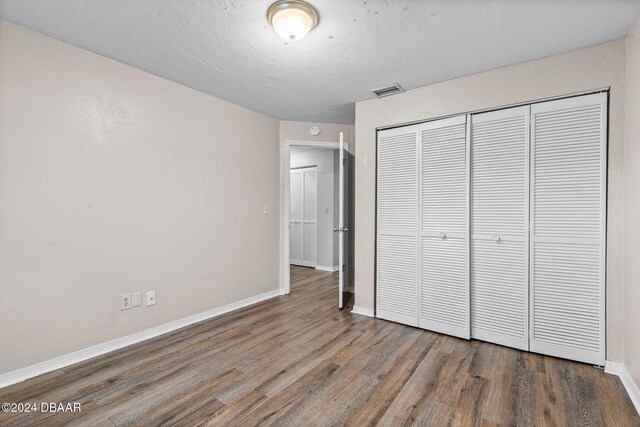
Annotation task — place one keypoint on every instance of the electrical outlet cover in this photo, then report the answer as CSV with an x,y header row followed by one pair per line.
x,y
151,297
125,301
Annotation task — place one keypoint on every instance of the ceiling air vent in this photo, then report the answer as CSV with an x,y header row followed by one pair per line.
x,y
387,90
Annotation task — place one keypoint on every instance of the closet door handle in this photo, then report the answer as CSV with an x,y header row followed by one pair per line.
x,y
497,238
443,236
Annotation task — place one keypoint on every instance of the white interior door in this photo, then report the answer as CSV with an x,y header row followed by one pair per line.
x,y
342,229
296,199
499,227
303,222
397,226
444,241
568,211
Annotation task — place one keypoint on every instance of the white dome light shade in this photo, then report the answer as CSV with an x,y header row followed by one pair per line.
x,y
292,19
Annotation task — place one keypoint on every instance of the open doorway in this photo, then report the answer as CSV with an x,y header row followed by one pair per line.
x,y
315,213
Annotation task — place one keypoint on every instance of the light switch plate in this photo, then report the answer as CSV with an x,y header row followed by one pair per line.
x,y
136,299
151,297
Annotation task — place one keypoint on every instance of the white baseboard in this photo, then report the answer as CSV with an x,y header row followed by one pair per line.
x,y
362,311
620,370
23,374
327,268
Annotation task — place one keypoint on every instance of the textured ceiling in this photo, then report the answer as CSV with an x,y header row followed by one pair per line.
x,y
226,47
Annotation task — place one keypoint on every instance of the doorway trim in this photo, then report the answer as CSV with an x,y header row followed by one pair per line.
x,y
285,286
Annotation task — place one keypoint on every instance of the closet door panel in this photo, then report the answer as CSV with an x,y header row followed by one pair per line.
x,y
295,219
565,306
568,228
444,299
499,293
397,226
310,233
499,226
310,245
397,294
444,278
444,176
310,195
295,233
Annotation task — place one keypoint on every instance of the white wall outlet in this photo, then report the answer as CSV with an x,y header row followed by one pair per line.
x,y
265,210
136,299
125,301
151,297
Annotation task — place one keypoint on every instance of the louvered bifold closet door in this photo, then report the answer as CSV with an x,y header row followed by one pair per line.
x,y
397,226
444,251
568,210
310,222
499,227
296,215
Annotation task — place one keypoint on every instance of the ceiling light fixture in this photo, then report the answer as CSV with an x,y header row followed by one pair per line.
x,y
292,19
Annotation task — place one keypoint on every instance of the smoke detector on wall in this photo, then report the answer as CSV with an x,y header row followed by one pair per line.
x,y
387,90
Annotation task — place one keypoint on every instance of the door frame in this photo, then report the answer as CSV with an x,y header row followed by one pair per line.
x,y
285,286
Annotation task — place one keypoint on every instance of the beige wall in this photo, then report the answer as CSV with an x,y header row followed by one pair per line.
x,y
583,70
113,180
299,131
632,207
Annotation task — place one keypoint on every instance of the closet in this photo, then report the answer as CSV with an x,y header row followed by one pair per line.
x,y
492,226
303,216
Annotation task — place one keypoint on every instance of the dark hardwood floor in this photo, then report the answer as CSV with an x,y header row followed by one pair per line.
x,y
298,360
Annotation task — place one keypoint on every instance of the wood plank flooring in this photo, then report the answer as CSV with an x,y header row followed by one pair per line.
x,y
298,360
